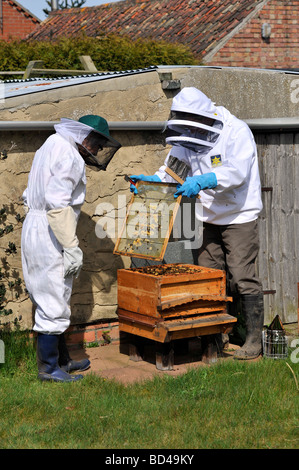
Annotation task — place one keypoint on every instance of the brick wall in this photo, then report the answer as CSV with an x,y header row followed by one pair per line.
x,y
97,333
101,333
248,49
17,23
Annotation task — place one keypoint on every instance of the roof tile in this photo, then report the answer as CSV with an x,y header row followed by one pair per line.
x,y
199,23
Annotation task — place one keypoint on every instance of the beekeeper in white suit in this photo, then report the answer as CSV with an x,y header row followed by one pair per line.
x,y
222,155
51,255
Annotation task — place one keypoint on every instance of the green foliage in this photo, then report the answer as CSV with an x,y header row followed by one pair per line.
x,y
108,52
106,338
10,281
20,356
3,155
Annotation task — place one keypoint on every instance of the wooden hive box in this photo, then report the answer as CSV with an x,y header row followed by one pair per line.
x,y
172,301
163,290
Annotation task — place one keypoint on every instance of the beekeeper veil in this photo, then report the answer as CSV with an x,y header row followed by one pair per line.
x,y
91,134
194,122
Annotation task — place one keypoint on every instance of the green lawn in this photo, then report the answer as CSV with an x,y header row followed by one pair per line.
x,y
230,405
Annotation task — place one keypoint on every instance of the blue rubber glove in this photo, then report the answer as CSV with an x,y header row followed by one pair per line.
x,y
141,177
194,184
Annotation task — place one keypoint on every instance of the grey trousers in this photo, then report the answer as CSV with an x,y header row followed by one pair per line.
x,y
234,249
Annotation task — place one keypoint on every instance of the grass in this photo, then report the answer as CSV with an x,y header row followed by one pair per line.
x,y
230,405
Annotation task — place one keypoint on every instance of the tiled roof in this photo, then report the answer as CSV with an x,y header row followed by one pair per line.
x,y
201,24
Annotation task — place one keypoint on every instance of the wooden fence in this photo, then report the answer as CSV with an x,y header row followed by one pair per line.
x,y
278,262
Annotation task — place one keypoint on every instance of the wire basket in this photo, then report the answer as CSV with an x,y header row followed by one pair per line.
x,y
275,344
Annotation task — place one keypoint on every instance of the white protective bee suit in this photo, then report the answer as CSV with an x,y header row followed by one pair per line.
x,y
231,156
56,181
51,255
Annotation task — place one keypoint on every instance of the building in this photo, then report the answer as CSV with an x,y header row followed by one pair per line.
x,y
238,33
136,104
16,22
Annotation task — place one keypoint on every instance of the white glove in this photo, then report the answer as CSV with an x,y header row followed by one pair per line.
x,y
25,205
73,261
63,223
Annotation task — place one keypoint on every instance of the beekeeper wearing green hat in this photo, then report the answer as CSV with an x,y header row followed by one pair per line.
x,y
51,256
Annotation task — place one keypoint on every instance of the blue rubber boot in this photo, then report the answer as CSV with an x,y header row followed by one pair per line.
x,y
47,360
65,362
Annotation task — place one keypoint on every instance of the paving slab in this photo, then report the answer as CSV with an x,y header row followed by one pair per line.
x,y
111,363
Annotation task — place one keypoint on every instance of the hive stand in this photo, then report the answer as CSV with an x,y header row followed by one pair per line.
x,y
168,302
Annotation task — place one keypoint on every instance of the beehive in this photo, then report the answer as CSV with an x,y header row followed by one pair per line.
x,y
172,301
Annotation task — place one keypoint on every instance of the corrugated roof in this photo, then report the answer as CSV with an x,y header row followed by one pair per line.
x,y
17,87
35,85
199,24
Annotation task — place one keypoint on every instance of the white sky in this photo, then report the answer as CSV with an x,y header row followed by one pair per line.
x,y
36,6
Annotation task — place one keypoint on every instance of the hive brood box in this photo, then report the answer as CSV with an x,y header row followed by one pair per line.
x,y
152,289
165,302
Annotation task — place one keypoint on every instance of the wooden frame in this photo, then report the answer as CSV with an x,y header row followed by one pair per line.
x,y
150,240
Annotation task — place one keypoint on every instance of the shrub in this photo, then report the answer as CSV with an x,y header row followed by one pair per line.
x,y
108,52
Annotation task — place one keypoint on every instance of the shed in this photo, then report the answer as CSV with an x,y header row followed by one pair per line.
x,y
136,104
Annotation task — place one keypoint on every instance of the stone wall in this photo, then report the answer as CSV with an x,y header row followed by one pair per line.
x,y
133,98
